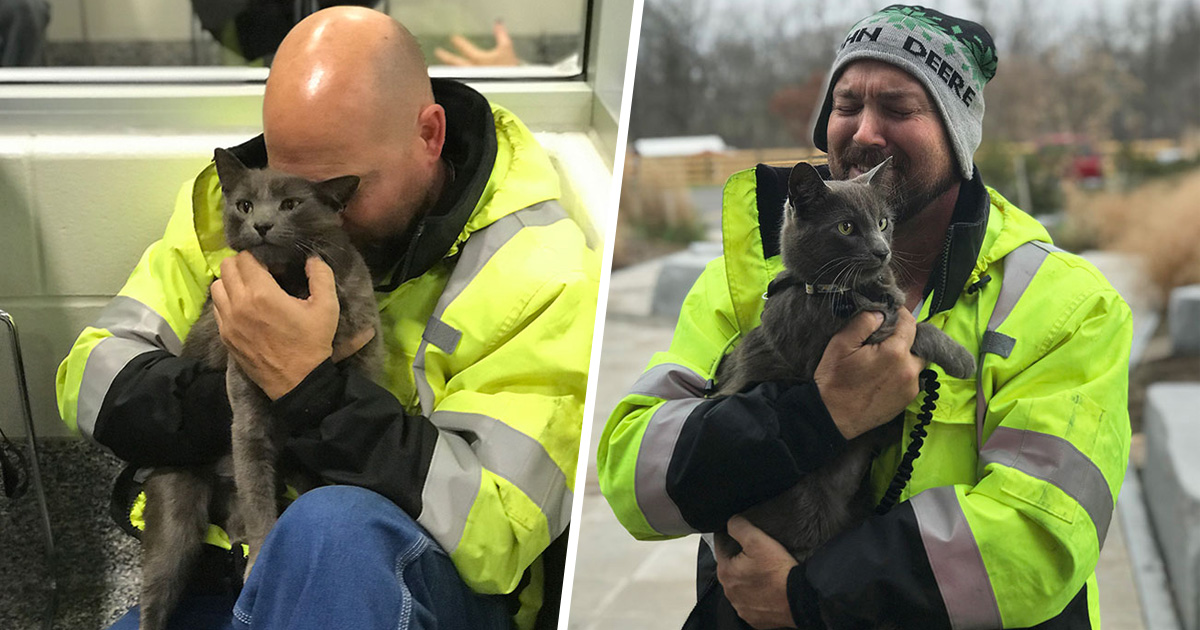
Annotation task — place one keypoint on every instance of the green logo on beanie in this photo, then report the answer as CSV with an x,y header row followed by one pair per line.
x,y
973,41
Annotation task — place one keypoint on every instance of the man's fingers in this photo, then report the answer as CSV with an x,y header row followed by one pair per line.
x,y
501,34
738,528
250,270
220,298
748,536
352,345
906,328
464,46
230,279
450,58
321,283
858,329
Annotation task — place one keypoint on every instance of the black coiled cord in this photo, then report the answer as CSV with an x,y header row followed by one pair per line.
x,y
916,439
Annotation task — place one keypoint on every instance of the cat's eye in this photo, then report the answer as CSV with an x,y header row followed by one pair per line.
x,y
244,206
883,224
288,204
846,227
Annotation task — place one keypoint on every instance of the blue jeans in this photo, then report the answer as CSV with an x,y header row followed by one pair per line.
x,y
345,557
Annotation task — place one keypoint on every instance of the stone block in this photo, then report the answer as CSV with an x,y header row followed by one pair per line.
x,y
20,274
97,212
1171,481
1183,317
678,273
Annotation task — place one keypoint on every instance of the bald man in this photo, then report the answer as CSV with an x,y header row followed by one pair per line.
x,y
450,479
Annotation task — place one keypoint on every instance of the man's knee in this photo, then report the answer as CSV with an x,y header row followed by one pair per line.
x,y
348,513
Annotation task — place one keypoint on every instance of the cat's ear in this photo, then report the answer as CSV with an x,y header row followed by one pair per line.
x,y
872,176
805,186
340,189
230,170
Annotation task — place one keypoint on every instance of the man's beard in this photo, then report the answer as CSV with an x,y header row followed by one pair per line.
x,y
908,192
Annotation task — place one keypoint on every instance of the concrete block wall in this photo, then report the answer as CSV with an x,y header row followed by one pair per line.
x,y
1183,317
1171,484
77,211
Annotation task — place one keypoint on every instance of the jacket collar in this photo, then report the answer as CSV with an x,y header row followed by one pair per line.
x,y
961,247
470,150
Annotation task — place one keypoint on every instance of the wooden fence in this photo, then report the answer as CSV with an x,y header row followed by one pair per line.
x,y
712,169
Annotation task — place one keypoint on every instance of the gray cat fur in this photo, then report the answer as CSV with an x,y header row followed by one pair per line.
x,y
796,328
182,501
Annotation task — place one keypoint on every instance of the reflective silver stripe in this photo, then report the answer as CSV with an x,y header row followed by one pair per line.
x,y
442,335
1057,461
1020,265
515,456
669,381
136,329
478,250
131,319
451,485
954,556
654,456
484,244
106,360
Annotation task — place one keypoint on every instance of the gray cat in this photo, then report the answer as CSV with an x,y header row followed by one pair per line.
x,y
836,250
282,220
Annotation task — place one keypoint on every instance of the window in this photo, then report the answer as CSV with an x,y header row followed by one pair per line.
x,y
547,36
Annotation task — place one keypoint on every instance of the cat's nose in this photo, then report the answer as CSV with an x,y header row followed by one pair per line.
x,y
882,256
262,228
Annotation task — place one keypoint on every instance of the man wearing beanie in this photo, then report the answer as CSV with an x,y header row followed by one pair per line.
x,y
1002,520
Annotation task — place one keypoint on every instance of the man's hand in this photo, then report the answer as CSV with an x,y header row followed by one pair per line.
x,y
347,347
276,338
755,580
470,55
865,386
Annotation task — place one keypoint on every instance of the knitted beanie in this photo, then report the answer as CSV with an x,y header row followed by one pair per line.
x,y
952,58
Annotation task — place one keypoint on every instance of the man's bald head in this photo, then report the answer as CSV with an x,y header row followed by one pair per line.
x,y
349,94
347,64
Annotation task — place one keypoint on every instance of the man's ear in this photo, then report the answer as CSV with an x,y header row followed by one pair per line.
x,y
431,130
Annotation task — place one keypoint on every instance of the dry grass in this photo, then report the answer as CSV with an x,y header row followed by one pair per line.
x,y
1159,221
656,217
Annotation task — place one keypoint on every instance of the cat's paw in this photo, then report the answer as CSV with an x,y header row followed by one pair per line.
x,y
879,336
959,363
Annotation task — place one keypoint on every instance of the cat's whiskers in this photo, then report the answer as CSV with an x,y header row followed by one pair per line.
x,y
817,274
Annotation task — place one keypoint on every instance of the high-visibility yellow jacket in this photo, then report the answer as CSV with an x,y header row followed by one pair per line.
x,y
487,317
1006,534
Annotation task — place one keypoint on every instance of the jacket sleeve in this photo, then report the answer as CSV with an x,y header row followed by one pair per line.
x,y
123,383
673,462
1016,548
490,473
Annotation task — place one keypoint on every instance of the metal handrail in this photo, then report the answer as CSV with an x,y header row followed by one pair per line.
x,y
35,471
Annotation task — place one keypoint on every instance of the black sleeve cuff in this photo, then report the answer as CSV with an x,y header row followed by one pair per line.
x,y
806,426
317,396
164,410
802,599
736,451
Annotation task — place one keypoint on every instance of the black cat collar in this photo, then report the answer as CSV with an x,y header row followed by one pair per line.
x,y
783,283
